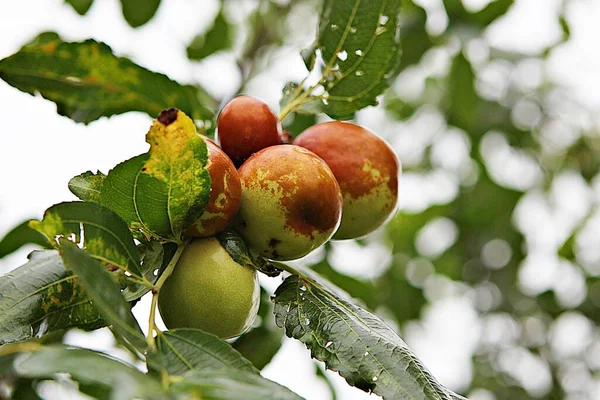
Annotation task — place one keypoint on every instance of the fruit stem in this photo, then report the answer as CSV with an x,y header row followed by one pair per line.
x,y
156,290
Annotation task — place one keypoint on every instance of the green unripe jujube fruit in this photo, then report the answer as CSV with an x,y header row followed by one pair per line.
x,y
208,290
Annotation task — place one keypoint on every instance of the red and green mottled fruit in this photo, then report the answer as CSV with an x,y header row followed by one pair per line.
x,y
366,168
225,194
209,291
291,202
246,125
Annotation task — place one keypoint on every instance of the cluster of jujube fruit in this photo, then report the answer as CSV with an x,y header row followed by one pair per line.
x,y
336,180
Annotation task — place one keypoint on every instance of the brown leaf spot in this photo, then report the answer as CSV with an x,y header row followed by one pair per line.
x,y
167,117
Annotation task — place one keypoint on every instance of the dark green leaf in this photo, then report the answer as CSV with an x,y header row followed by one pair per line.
x,y
87,81
90,367
138,12
230,385
296,123
185,350
87,186
102,232
413,31
42,297
154,259
19,236
239,252
260,344
165,191
353,342
360,44
81,6
217,38
103,291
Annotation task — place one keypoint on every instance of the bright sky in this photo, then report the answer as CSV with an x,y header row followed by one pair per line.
x,y
41,151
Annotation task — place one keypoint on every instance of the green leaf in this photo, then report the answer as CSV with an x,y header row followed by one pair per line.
x,y
87,186
81,6
458,15
101,288
102,232
413,31
165,191
239,252
19,236
87,81
353,342
90,368
230,385
185,350
41,297
154,260
359,42
138,12
218,37
260,344
463,103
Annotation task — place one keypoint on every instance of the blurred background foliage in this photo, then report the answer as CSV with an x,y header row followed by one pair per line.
x,y
495,249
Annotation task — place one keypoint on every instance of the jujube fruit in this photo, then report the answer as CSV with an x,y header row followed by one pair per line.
x,y
366,168
225,194
246,125
291,202
208,290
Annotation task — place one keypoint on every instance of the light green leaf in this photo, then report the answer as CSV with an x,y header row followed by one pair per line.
x,y
165,191
103,233
353,342
230,385
87,186
138,12
185,350
41,297
103,291
90,367
87,81
359,42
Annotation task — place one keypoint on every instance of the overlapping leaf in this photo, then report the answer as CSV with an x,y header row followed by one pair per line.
x,y
166,190
87,81
350,340
87,186
41,297
230,385
359,43
103,291
102,232
185,350
122,381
